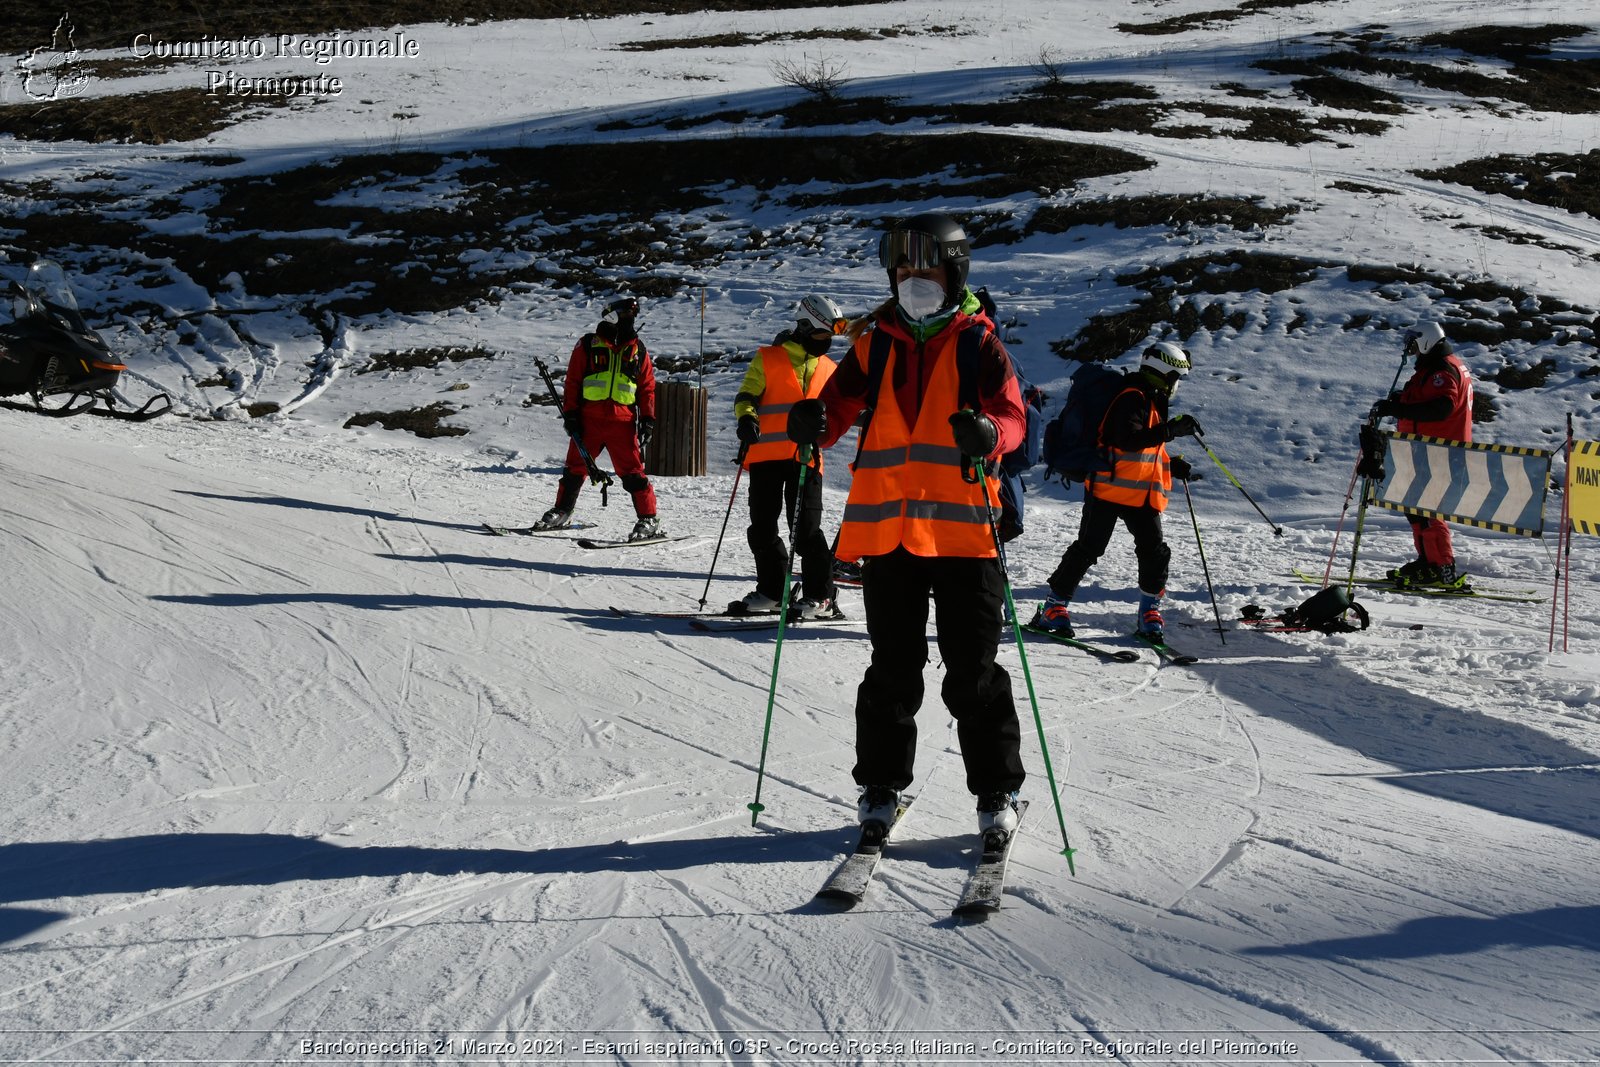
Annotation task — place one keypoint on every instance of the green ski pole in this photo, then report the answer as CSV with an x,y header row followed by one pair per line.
x,y
755,806
1276,529
1027,675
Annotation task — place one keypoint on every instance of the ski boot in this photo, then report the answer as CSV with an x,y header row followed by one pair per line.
x,y
1150,624
557,518
1053,615
754,602
879,803
997,818
647,528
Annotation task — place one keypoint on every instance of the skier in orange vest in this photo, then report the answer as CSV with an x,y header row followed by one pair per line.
x,y
781,375
922,527
1136,430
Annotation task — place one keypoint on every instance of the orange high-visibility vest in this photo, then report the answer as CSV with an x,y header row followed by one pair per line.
x,y
1136,478
908,490
783,389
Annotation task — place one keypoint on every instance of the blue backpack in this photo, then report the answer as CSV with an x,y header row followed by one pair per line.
x,y
1072,439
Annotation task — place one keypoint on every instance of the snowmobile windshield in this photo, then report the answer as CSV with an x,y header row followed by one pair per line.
x,y
47,283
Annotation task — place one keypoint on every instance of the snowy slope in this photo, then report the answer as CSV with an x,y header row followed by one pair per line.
x,y
294,753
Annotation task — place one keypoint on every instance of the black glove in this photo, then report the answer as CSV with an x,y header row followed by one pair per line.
x,y
572,421
1374,445
749,430
974,433
1181,469
1386,407
808,421
1183,426
647,430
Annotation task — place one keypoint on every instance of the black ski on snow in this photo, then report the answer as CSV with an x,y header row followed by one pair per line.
x,y
1166,651
532,531
1118,655
849,883
987,882
590,542
766,620
1467,592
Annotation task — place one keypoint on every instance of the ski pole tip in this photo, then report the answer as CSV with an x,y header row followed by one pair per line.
x,y
1072,868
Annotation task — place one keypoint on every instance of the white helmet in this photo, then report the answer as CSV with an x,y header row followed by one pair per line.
x,y
1422,340
820,313
1163,358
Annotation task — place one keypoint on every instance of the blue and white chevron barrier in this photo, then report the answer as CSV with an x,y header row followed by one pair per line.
x,y
1497,487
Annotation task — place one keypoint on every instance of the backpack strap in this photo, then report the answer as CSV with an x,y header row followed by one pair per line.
x,y
878,345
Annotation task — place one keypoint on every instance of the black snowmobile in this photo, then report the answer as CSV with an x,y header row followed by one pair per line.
x,y
47,349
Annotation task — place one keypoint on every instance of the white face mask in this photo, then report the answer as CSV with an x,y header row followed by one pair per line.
x,y
920,297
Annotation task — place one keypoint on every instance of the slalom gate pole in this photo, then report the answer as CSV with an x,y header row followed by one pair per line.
x,y
1277,530
1563,548
1203,566
597,475
739,473
1022,653
755,806
1366,492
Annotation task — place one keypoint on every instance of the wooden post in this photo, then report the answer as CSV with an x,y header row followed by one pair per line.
x,y
678,448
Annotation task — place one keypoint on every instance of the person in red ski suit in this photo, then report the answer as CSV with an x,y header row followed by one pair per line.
x,y
609,405
1435,402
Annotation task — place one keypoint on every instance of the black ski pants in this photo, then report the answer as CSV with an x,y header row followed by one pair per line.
x,y
774,491
968,599
1095,528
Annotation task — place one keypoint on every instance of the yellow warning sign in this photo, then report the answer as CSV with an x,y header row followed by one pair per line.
x,y
1583,487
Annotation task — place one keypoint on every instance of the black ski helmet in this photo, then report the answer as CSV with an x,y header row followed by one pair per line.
x,y
928,240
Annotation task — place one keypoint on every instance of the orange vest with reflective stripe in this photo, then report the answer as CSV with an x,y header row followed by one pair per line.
x,y
783,388
1136,478
908,490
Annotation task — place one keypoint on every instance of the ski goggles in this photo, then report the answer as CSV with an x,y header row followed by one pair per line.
x,y
618,310
919,251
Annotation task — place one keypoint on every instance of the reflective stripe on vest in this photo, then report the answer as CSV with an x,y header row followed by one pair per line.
x,y
1136,478
780,393
607,377
908,490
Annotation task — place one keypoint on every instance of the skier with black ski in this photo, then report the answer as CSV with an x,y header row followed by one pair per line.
x,y
1436,401
1133,489
933,383
609,404
782,374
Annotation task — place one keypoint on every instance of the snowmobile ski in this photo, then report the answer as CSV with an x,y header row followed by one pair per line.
x,y
1466,592
1116,655
849,883
987,882
1166,651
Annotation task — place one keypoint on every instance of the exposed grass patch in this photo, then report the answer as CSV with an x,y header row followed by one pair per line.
x,y
144,118
424,422
419,358
1555,179
345,235
109,24
738,40
1202,19
1519,378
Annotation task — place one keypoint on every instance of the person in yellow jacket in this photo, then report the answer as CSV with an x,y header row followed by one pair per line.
x,y
1136,430
937,391
781,375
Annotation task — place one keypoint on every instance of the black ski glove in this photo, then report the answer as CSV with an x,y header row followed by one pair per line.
x,y
808,421
749,431
974,433
1373,448
1181,470
1386,407
1183,426
647,430
572,421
